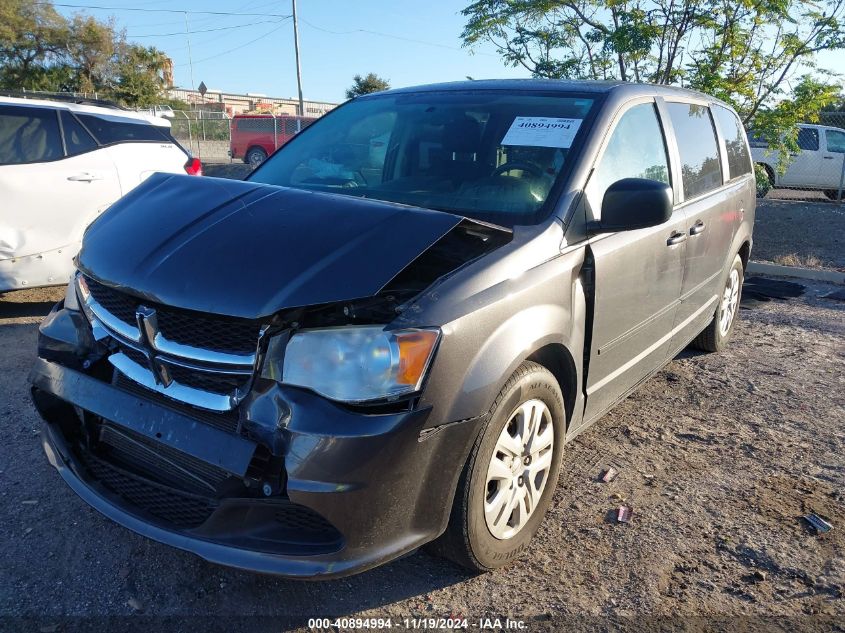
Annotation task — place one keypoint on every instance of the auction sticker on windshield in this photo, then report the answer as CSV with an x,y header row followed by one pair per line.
x,y
535,131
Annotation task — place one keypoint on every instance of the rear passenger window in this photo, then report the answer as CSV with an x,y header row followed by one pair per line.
x,y
636,150
808,139
77,140
29,135
739,160
701,170
109,131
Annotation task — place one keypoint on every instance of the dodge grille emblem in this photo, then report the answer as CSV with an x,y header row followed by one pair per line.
x,y
148,327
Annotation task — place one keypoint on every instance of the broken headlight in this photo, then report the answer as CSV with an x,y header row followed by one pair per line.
x,y
353,364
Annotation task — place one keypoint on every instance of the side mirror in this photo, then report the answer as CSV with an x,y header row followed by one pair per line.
x,y
635,203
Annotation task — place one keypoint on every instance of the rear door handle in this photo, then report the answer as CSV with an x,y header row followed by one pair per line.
x,y
86,177
676,238
828,157
697,228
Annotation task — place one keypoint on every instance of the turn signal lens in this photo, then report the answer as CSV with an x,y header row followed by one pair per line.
x,y
415,349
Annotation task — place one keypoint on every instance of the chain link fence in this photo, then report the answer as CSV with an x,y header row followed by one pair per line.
x,y
815,173
213,137
206,135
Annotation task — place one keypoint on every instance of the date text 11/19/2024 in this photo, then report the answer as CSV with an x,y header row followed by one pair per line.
x,y
430,624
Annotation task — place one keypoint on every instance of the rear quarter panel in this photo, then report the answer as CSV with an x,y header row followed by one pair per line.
x,y
136,162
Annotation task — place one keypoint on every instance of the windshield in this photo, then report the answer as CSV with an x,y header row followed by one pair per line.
x,y
491,156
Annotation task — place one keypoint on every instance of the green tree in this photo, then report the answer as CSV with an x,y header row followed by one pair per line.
x,y
758,55
91,49
42,50
140,75
32,37
366,85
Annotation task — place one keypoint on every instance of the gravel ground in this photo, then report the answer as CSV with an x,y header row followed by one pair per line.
x,y
810,234
719,455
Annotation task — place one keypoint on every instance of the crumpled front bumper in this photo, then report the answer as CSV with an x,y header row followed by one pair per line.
x,y
383,482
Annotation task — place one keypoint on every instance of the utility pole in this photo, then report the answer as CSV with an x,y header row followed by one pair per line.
x,y
190,58
298,67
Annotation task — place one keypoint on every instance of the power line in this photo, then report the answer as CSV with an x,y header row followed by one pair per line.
x,y
232,50
391,36
220,28
179,11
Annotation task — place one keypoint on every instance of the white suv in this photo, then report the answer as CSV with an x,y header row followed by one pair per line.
x,y
817,165
61,165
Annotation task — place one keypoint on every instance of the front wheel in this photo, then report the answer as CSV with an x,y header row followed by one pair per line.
x,y
716,335
510,476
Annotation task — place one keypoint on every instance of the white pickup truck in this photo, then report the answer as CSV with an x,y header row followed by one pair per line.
x,y
817,165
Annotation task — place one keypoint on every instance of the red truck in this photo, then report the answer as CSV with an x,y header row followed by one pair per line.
x,y
255,136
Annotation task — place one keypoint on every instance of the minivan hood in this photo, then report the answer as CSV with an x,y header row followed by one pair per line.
x,y
248,250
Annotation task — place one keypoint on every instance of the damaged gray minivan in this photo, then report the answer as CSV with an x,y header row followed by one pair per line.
x,y
387,334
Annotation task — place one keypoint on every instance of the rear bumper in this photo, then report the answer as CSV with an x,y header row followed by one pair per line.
x,y
365,489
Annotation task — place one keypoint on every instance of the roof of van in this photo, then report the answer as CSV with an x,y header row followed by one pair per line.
x,y
113,113
557,85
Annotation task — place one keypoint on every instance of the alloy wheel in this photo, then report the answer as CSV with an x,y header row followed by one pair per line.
x,y
519,469
730,302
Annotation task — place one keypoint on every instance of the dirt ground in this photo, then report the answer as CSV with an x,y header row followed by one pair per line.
x,y
719,455
808,234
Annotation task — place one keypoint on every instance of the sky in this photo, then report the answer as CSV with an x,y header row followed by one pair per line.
x,y
407,43
417,43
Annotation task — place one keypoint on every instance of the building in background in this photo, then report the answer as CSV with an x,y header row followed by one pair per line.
x,y
232,103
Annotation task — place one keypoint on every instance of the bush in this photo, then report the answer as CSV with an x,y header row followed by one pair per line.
x,y
764,182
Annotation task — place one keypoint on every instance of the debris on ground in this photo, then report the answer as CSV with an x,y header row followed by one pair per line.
x,y
609,475
819,524
756,290
624,513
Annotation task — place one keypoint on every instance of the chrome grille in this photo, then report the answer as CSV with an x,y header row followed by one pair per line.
x,y
214,334
223,420
120,305
227,335
198,359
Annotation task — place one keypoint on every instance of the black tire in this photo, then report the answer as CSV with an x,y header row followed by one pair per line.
x,y
255,156
713,338
833,194
468,541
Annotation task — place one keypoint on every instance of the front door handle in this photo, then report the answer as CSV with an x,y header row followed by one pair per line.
x,y
697,228
828,157
676,238
86,177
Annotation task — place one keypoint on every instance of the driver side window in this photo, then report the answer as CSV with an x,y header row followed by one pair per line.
x,y
636,150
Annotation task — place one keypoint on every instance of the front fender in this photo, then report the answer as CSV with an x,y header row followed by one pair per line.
x,y
480,350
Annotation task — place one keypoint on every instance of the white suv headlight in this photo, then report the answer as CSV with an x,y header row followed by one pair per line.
x,y
355,363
